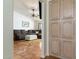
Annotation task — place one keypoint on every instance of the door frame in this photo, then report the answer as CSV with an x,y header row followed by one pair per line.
x,y
45,29
8,29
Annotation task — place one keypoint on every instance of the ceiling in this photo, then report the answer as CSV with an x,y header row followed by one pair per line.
x,y
25,6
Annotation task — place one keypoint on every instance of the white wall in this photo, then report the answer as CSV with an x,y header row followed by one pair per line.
x,y
17,21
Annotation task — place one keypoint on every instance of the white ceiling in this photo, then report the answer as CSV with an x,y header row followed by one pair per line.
x,y
25,6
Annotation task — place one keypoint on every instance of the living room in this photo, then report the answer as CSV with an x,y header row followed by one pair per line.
x,y
27,29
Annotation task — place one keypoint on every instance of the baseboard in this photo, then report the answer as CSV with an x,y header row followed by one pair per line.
x,y
55,56
42,56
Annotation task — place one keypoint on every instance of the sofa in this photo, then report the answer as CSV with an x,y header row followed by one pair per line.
x,y
22,34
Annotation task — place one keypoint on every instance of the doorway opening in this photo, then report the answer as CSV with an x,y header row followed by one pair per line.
x,y
27,19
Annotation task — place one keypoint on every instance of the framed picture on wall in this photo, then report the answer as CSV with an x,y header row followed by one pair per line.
x,y
25,24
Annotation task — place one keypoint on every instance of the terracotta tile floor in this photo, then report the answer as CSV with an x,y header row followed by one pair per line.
x,y
27,49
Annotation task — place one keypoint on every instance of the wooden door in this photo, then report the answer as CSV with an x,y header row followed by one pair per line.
x,y
68,29
54,27
62,28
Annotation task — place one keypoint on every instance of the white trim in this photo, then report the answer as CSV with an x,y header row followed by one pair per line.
x,y
47,21
45,30
43,39
55,55
42,56
8,29
45,13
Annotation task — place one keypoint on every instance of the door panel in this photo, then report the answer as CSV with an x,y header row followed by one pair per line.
x,y
54,9
68,8
67,49
55,29
67,29
55,47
